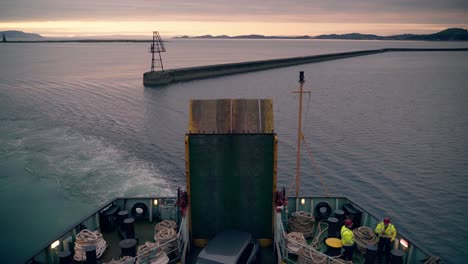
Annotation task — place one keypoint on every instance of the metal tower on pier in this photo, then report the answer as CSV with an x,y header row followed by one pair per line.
x,y
156,46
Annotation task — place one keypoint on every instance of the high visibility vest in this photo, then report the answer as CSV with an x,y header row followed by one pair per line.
x,y
385,231
347,236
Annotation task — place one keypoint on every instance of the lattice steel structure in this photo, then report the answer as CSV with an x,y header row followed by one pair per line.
x,y
156,47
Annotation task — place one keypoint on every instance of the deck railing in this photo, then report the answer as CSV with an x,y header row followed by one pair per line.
x,y
412,253
163,209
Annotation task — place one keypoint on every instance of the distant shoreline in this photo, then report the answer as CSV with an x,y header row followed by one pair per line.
x,y
195,38
450,34
78,41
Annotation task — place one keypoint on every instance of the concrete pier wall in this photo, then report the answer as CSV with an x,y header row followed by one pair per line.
x,y
193,73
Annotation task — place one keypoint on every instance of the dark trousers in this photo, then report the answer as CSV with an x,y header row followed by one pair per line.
x,y
385,246
348,252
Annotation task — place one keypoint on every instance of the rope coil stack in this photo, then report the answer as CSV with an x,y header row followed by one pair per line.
x,y
364,236
295,241
150,253
165,224
87,238
308,255
302,222
165,234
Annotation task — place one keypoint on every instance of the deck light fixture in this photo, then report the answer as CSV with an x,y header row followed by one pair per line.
x,y
404,243
155,202
55,244
302,201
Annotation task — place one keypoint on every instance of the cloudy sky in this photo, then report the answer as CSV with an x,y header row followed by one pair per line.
x,y
231,17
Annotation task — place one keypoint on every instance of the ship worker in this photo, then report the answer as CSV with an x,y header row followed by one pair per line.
x,y
347,239
386,233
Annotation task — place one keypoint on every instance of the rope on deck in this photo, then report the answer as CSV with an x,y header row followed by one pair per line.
x,y
150,253
87,238
309,256
122,260
433,260
294,242
321,229
364,236
302,222
165,234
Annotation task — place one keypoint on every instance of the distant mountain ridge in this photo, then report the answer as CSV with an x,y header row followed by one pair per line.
x,y
252,36
15,34
455,34
451,34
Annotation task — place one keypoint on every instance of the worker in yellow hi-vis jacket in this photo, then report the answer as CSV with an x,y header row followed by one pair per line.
x,y
386,233
347,239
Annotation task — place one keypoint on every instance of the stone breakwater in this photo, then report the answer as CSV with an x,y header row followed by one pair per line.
x,y
193,73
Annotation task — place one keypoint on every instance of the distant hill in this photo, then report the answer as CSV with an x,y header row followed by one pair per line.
x,y
14,34
252,36
448,34
454,34
354,36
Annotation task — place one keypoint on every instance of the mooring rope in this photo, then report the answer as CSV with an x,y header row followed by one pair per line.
x,y
364,236
165,234
165,223
321,229
294,242
433,260
308,255
87,238
302,222
122,260
150,253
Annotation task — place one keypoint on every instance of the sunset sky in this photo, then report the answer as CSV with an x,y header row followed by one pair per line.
x,y
55,18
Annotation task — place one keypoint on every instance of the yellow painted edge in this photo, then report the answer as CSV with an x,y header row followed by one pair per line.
x,y
187,180
275,172
265,242
190,119
200,242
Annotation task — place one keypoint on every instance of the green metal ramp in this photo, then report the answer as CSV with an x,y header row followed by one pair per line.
x,y
231,167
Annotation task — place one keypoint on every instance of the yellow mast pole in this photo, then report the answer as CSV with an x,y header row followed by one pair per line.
x,y
299,131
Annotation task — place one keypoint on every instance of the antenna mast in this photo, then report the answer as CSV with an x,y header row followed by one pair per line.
x,y
156,46
299,130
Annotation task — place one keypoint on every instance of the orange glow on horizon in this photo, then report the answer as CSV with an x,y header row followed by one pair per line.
x,y
191,28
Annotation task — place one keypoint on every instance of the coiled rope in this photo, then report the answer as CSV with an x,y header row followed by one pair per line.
x,y
165,224
165,234
364,236
87,238
302,222
295,241
150,253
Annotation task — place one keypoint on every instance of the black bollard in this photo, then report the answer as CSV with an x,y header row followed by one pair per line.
x,y
121,216
128,247
91,254
340,214
396,256
371,254
65,257
332,227
129,228
333,246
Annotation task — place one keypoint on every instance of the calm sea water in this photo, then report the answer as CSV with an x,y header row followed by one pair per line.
x,y
77,128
